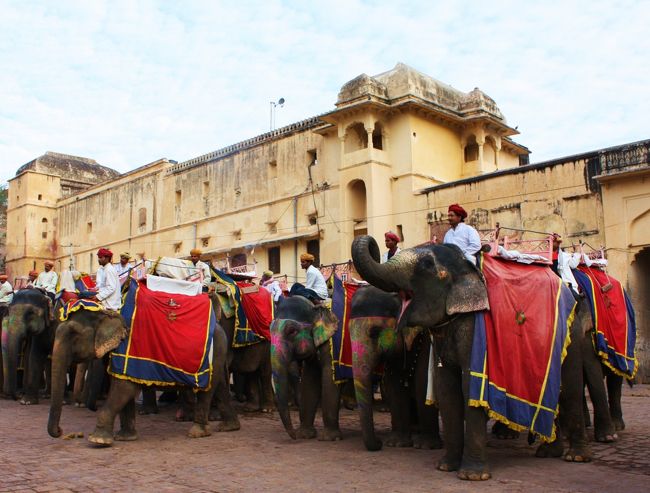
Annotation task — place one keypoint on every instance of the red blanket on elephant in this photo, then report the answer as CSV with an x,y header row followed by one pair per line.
x,y
614,322
169,341
258,306
519,345
341,343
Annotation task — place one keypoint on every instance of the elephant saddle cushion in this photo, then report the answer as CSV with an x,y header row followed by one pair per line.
x,y
169,340
613,316
519,345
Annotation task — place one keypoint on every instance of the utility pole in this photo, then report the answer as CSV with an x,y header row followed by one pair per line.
x,y
273,105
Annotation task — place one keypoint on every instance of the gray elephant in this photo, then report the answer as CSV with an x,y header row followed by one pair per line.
x,y
27,321
303,332
375,339
443,291
84,338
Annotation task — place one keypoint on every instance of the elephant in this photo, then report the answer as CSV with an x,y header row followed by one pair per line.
x,y
374,336
28,320
83,339
302,331
442,291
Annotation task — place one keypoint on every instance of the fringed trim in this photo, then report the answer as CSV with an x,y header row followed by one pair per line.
x,y
514,426
567,338
159,383
604,358
333,364
246,344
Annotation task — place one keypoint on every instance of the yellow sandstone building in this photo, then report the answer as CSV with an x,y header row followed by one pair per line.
x,y
398,148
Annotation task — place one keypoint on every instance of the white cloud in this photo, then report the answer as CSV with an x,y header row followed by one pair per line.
x,y
128,82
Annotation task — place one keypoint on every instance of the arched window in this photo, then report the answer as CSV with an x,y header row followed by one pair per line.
x,y
358,206
356,137
471,149
44,228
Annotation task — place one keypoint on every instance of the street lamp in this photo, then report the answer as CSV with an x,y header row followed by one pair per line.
x,y
273,105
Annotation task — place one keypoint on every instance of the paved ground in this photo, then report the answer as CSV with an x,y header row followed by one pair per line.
x,y
261,457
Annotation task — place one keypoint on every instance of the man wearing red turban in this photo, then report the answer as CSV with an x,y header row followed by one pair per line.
x,y
108,282
462,235
391,240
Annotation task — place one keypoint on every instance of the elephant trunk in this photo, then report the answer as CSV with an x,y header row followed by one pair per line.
x,y
12,343
391,276
280,360
61,359
364,360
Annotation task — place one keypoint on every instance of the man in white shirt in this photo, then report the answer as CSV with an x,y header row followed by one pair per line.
x,y
47,280
563,262
199,266
462,235
108,283
315,287
390,240
124,265
271,285
6,290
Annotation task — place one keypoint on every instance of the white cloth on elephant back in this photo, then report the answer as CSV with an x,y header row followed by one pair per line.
x,y
173,268
173,286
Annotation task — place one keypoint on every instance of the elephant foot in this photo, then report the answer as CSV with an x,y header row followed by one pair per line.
x,y
199,431
473,475
399,440
327,435
101,438
229,425
28,401
250,407
214,415
427,441
576,455
546,450
306,433
447,465
606,437
502,432
619,424
126,436
349,403
79,404
267,408
374,444
148,410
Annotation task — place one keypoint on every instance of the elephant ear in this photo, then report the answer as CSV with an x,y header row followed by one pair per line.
x,y
325,326
110,331
468,294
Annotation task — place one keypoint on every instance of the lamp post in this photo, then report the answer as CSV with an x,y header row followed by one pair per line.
x,y
273,105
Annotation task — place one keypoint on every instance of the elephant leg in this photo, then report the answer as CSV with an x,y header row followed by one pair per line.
x,y
428,427
252,392
230,421
310,393
94,383
593,375
121,393
452,412
149,405
330,405
201,426
614,390
399,399
37,356
186,405
474,465
127,431
239,386
571,395
585,412
79,384
265,378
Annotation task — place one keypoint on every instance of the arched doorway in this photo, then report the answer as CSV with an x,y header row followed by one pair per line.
x,y
357,207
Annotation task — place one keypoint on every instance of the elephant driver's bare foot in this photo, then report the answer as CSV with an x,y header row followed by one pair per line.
x,y
398,440
126,436
306,433
101,438
329,435
199,431
228,425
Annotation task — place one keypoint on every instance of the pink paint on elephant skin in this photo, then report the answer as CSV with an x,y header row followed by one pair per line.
x,y
358,349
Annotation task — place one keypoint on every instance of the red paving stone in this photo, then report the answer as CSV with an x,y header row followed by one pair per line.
x,y
261,457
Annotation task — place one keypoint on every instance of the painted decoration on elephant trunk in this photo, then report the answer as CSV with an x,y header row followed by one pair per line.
x,y
169,340
519,345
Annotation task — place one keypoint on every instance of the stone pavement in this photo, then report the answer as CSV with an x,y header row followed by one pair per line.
x,y
261,457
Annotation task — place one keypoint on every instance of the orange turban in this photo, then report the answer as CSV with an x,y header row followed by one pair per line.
x,y
195,251
49,262
307,257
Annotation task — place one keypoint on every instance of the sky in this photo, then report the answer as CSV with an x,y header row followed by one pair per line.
x,y
129,82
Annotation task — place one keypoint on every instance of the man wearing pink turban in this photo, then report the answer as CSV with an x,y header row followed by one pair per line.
x,y
391,240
